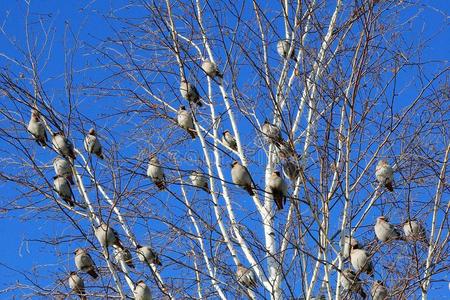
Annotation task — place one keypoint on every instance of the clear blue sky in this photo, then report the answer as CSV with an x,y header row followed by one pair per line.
x,y
88,22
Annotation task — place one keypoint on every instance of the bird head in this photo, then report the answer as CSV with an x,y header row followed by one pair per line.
x,y
92,131
78,251
382,219
182,107
277,173
138,246
225,132
234,163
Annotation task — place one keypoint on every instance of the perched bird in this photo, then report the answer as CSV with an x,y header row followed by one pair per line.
x,y
92,144
185,121
229,140
240,176
347,244
125,255
107,236
63,168
76,283
278,188
360,261
211,69
385,231
414,231
245,276
62,187
351,282
198,179
379,291
141,291
156,173
189,92
283,47
291,168
37,129
271,132
63,145
146,254
385,175
84,262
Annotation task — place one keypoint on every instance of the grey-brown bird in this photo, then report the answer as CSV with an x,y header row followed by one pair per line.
x,y
107,236
241,177
84,262
210,68
283,47
361,261
351,283
245,276
156,173
198,179
271,133
63,145
347,244
379,291
76,284
291,168
63,168
278,188
37,128
185,121
385,175
415,231
62,187
146,254
92,144
385,231
189,92
141,291
229,140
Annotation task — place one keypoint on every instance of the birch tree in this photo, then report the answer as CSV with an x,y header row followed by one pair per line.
x,y
254,187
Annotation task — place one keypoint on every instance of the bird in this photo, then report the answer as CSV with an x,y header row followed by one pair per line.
x,y
348,243
63,145
37,128
199,180
278,188
107,236
125,255
271,133
146,254
84,262
245,276
229,140
385,231
189,92
62,187
414,231
184,119
379,291
360,261
141,291
92,144
385,175
156,173
63,168
291,168
283,47
351,282
241,177
210,68
76,283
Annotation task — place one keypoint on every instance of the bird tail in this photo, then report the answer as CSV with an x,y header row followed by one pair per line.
x,y
69,201
93,273
160,184
130,264
192,132
389,186
118,244
278,197
206,189
100,155
249,190
362,293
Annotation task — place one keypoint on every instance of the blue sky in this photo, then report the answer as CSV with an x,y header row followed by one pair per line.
x,y
87,22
